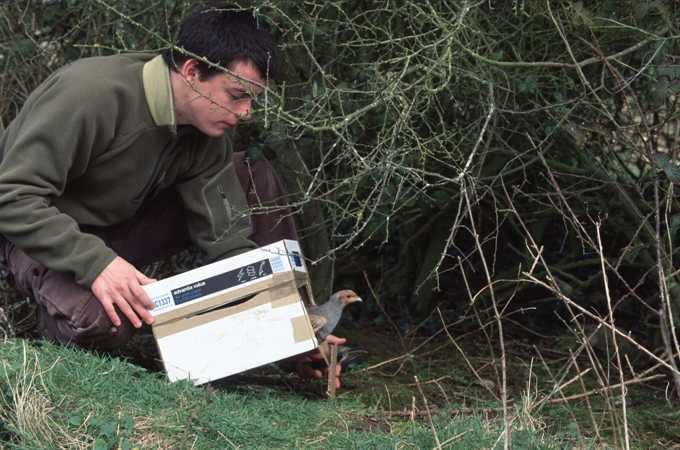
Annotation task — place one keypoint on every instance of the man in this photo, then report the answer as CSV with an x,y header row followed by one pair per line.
x,y
116,161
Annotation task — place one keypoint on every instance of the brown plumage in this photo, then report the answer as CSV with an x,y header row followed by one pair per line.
x,y
325,317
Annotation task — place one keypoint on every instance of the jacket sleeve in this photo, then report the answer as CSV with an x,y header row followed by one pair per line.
x,y
49,142
216,209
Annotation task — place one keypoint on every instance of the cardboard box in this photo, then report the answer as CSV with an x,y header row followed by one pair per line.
x,y
233,315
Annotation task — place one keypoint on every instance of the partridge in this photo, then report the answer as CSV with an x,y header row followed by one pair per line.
x,y
325,317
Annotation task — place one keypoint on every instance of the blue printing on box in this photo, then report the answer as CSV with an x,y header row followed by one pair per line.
x,y
277,264
297,260
162,302
216,283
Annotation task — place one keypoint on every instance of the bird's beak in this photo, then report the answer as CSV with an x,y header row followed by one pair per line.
x,y
358,299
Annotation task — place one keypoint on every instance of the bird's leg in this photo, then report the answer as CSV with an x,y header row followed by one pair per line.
x,y
331,370
324,349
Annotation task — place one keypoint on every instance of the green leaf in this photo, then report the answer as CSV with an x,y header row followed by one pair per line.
x,y
581,15
109,429
127,423
441,198
255,152
23,47
668,165
75,419
101,444
126,445
633,252
527,85
674,224
575,133
640,9
668,80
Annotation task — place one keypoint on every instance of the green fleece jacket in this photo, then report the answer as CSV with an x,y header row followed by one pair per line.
x,y
94,141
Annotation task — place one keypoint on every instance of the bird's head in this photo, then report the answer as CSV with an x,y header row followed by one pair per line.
x,y
346,297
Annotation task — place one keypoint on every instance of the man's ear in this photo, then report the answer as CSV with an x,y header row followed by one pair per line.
x,y
190,71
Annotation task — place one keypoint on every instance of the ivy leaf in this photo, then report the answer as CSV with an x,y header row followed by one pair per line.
x,y
255,152
528,85
632,253
670,77
75,419
441,198
127,423
575,133
582,16
670,167
109,429
101,444
674,225
23,47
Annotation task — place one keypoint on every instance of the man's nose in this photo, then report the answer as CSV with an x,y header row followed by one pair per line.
x,y
245,114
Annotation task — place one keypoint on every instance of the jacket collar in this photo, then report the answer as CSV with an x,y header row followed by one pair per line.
x,y
158,91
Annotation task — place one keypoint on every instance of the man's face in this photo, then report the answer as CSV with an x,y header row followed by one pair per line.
x,y
221,101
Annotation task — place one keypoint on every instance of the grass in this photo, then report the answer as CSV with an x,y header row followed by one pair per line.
x,y
449,384
58,397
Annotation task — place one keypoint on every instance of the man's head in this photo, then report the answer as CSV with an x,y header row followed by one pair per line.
x,y
206,96
224,35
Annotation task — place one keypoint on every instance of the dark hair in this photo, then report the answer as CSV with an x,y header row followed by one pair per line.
x,y
223,36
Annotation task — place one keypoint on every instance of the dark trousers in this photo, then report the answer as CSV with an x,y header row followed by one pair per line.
x,y
70,313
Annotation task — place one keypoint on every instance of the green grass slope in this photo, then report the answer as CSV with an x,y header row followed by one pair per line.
x,y
57,397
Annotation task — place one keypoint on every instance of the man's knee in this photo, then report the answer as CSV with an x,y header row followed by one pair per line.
x,y
71,314
68,313
91,327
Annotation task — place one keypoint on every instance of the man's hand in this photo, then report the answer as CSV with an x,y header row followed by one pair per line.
x,y
304,364
121,284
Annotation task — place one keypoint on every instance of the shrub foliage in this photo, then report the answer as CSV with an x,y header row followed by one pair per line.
x,y
493,154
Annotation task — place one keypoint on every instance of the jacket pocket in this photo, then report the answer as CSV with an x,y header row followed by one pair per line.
x,y
225,204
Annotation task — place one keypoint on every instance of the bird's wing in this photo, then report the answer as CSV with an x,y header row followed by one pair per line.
x,y
318,322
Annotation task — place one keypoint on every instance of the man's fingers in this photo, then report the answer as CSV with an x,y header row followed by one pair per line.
x,y
305,371
143,279
314,373
335,340
126,309
107,304
120,284
142,312
315,356
141,296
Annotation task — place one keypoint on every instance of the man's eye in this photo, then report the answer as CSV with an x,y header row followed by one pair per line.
x,y
237,97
